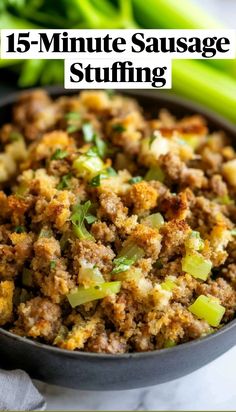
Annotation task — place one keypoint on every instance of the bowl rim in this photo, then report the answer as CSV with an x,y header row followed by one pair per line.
x,y
166,97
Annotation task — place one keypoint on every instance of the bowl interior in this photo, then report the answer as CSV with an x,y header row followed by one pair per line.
x,y
152,102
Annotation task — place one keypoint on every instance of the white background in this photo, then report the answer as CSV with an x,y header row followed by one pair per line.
x,y
211,388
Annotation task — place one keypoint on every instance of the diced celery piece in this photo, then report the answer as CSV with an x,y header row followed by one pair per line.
x,y
192,140
88,166
121,264
155,220
168,284
169,343
225,200
82,295
45,233
22,189
155,173
82,233
196,265
127,257
131,251
90,276
209,309
194,241
79,214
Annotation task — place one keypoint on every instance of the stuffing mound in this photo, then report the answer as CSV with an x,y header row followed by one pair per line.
x,y
117,228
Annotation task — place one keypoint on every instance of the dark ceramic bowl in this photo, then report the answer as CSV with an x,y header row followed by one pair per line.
x,y
115,372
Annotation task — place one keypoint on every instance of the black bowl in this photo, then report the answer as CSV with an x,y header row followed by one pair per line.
x,y
115,372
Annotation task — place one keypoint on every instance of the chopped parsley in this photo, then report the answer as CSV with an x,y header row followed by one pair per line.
x,y
158,264
72,116
59,154
20,229
110,92
90,136
15,136
52,264
73,122
119,128
96,181
65,182
79,215
151,140
121,264
92,152
135,179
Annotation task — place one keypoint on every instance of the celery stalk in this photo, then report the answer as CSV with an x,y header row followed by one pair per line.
x,y
7,21
208,308
83,295
182,14
131,251
196,265
172,14
205,85
168,284
154,221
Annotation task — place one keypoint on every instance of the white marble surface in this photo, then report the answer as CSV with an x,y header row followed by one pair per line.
x,y
210,388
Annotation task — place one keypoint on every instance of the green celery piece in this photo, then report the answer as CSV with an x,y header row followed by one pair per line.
x,y
53,72
209,309
31,72
82,233
95,18
194,241
182,14
127,257
87,166
6,62
83,295
155,173
169,344
155,220
92,17
172,14
90,276
196,265
105,7
168,285
88,132
7,21
225,200
205,85
131,251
